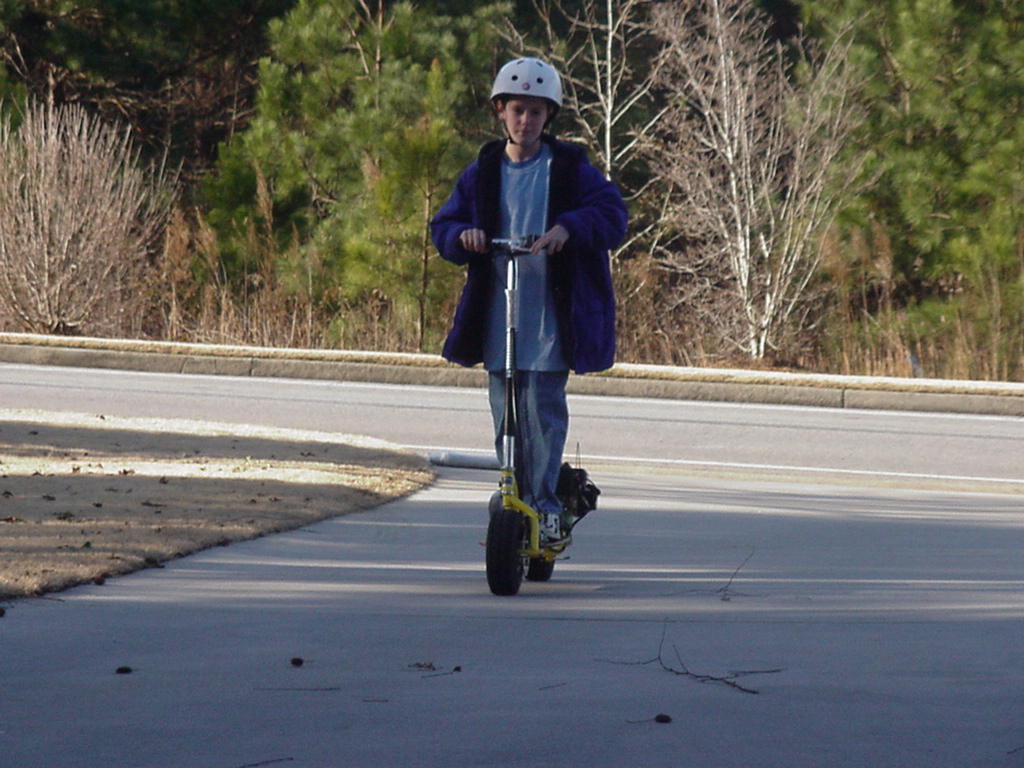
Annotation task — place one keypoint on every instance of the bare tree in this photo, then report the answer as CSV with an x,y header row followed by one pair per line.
x,y
603,55
78,216
749,147
604,50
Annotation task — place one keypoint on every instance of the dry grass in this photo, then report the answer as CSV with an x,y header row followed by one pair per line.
x,y
83,498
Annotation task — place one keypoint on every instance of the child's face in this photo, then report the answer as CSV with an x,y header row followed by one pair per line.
x,y
524,118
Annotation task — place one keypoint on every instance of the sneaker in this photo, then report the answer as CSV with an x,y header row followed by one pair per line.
x,y
551,526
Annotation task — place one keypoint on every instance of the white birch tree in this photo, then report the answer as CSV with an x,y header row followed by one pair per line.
x,y
749,146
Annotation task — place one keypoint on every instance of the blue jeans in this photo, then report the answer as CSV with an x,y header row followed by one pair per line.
x,y
543,416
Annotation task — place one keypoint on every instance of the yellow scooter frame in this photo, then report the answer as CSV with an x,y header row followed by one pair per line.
x,y
514,543
510,500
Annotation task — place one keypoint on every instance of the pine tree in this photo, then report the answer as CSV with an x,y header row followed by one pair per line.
x,y
178,72
361,119
945,91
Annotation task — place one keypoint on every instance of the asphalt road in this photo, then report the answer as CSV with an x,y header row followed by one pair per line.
x,y
787,587
743,440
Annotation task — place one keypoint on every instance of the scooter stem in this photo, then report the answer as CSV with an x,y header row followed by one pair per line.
x,y
511,322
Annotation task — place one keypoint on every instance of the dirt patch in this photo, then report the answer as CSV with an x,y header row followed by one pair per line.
x,y
85,497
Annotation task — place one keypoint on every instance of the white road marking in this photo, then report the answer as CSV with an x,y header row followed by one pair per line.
x,y
741,465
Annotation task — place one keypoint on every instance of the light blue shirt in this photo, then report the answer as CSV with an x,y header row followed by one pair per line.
x,y
523,212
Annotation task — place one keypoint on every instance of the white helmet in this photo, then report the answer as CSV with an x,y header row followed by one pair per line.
x,y
528,77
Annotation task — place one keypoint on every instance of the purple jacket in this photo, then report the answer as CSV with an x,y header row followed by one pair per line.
x,y
581,200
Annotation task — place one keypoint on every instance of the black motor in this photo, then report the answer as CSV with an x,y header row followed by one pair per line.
x,y
577,491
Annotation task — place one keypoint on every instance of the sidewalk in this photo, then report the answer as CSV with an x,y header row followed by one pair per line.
x,y
864,630
865,627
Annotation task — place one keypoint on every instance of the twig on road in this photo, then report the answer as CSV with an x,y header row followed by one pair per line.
x,y
268,762
724,591
682,670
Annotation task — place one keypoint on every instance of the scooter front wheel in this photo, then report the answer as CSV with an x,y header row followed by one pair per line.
x,y
504,542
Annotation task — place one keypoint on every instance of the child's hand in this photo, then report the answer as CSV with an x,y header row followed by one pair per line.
x,y
473,240
552,240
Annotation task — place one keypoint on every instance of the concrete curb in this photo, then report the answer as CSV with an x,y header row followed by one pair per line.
x,y
723,385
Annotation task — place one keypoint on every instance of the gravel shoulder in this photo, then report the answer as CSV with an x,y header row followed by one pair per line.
x,y
84,497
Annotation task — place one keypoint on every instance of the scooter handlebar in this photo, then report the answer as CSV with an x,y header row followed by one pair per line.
x,y
514,245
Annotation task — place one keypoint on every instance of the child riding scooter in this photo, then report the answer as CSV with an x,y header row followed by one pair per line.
x,y
532,185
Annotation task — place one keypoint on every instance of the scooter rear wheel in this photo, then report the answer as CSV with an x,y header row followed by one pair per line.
x,y
540,569
504,561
